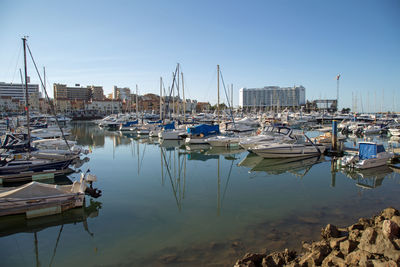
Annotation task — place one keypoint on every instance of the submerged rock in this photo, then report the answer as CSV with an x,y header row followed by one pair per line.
x,y
369,242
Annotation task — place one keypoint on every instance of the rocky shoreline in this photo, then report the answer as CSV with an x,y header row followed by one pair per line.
x,y
369,242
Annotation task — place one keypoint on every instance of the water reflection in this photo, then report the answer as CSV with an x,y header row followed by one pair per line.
x,y
173,169
15,224
369,178
297,167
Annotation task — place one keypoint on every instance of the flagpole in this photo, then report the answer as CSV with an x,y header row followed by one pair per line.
x,y
337,91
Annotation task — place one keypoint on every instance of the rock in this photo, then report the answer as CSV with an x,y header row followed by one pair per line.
x,y
250,259
396,219
378,220
366,222
355,226
388,213
357,257
377,243
335,242
319,250
380,263
279,258
334,259
368,237
273,260
355,235
330,231
348,246
169,258
390,229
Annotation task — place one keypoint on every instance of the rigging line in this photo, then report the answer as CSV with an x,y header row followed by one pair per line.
x,y
48,99
55,248
170,178
16,64
227,181
227,98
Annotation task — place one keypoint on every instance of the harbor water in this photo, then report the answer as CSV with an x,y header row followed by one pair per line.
x,y
165,204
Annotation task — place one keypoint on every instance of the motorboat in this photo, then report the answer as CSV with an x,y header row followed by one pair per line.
x,y
283,150
270,134
223,141
38,199
370,155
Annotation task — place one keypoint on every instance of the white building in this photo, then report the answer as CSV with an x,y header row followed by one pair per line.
x,y
122,93
272,96
17,92
104,106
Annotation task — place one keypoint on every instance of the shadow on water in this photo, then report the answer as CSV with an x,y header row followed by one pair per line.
x,y
15,224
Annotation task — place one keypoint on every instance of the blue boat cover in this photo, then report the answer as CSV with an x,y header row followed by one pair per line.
x,y
169,126
130,123
369,151
154,122
204,129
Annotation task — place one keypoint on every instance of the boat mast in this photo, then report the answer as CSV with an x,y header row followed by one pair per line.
x,y
184,100
218,94
160,98
26,95
137,105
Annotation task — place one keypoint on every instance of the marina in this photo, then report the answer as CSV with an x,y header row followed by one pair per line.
x,y
175,204
199,133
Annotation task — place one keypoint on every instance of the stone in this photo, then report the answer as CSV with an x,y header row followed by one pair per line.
x,y
319,250
366,222
330,231
355,226
378,243
355,235
250,259
334,259
388,213
368,237
378,220
348,246
335,242
396,219
379,263
169,258
279,258
390,229
357,257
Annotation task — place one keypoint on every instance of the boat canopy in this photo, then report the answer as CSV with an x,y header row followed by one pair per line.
x,y
204,129
130,123
169,126
154,122
369,150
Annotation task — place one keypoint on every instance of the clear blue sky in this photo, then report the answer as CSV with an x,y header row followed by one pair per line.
x,y
256,43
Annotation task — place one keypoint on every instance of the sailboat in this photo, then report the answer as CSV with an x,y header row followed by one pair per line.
x,y
9,164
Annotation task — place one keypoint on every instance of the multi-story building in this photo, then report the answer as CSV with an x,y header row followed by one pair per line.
x,y
122,93
17,92
272,96
62,91
96,92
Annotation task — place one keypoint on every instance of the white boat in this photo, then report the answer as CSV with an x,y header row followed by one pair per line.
x,y
281,150
370,155
269,135
372,129
223,141
394,131
37,199
175,134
